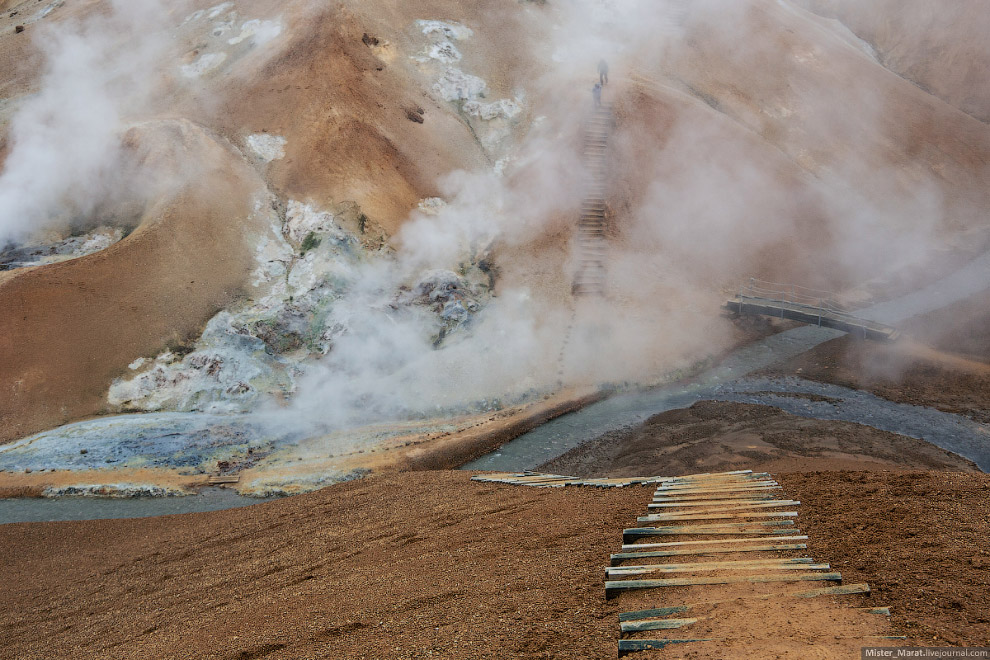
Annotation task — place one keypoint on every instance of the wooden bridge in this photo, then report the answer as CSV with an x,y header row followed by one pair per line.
x,y
805,305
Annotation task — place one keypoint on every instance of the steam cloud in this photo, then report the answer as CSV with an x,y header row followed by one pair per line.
x,y
65,148
721,191
730,148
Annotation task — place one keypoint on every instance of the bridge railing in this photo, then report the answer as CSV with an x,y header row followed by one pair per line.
x,y
792,294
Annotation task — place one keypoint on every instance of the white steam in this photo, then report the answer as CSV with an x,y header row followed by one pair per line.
x,y
65,139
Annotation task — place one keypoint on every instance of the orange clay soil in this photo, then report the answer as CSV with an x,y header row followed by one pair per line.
x,y
33,484
429,564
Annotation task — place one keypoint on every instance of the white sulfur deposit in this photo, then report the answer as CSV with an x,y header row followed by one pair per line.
x,y
440,30
302,219
258,31
307,264
267,147
455,85
503,109
204,64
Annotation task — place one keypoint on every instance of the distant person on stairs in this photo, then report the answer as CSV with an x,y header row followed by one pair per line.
x,y
603,72
596,91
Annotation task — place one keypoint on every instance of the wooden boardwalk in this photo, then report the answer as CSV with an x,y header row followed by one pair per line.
x,y
735,546
593,246
718,568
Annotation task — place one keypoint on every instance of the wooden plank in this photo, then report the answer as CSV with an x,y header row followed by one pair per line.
x,y
727,563
735,490
735,483
614,587
686,529
633,645
800,562
839,590
706,497
717,477
715,483
625,556
654,612
640,533
669,544
885,611
661,568
664,624
711,490
660,517
725,505
223,479
719,528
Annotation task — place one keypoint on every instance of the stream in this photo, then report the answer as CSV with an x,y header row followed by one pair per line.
x,y
49,509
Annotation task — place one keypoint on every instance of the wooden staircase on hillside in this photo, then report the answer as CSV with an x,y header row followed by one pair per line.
x,y
589,280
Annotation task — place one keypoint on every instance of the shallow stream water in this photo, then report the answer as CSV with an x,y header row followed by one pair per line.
x,y
32,509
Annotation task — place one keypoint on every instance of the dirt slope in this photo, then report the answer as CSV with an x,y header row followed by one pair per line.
x,y
940,46
433,565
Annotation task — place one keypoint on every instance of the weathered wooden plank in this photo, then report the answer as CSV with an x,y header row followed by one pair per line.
x,y
633,645
725,505
215,480
720,528
715,542
718,477
885,611
624,556
735,483
661,568
725,525
660,517
707,497
727,563
613,587
654,612
716,491
664,624
800,562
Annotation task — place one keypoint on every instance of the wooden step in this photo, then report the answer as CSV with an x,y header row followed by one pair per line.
x,y
714,542
614,587
725,505
775,547
659,568
660,517
215,480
